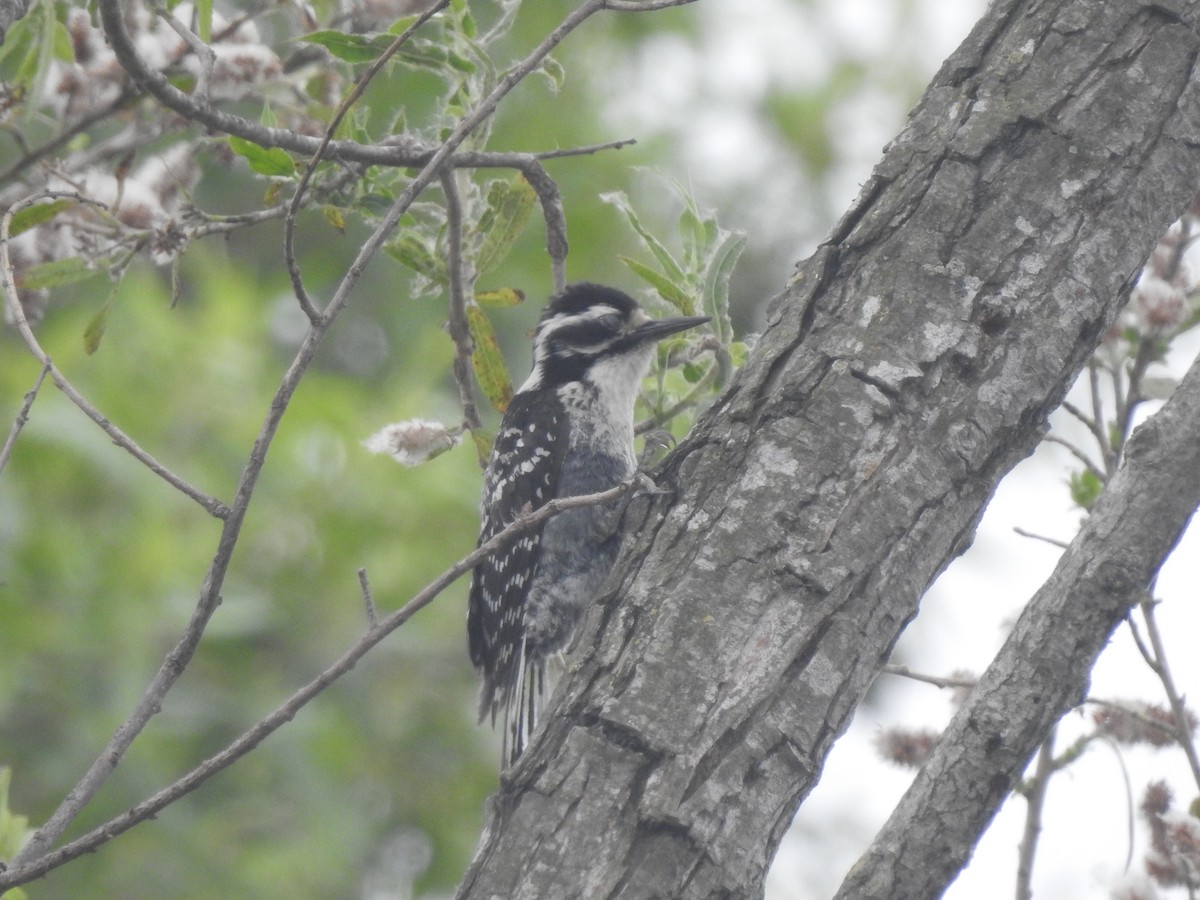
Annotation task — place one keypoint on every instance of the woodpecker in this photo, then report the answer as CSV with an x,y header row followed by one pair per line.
x,y
568,431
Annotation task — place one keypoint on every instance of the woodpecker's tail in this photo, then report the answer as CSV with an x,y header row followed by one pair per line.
x,y
522,702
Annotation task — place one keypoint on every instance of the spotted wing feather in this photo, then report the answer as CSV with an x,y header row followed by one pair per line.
x,y
523,473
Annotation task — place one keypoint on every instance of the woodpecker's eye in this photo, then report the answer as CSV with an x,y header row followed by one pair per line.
x,y
590,334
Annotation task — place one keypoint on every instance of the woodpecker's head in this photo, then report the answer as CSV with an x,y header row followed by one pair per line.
x,y
599,334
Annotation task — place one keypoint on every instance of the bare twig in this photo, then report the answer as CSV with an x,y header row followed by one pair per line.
x,y
935,680
1080,415
1147,351
204,53
460,332
586,150
691,399
64,137
289,222
1079,455
22,416
1053,542
180,655
1129,817
24,870
1035,798
214,506
1182,731
644,5
1103,441
556,219
368,600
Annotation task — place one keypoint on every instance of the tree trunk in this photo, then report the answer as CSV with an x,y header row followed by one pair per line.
x,y
908,365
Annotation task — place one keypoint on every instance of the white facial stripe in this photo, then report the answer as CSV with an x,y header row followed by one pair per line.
x,y
566,321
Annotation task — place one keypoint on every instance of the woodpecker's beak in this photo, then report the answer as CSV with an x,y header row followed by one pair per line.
x,y
657,329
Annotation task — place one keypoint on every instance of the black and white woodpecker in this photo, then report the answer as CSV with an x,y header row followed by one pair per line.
x,y
567,432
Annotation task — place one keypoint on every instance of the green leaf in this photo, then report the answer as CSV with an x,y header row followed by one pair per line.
x,y
490,369
335,217
552,70
33,216
673,293
376,202
94,331
272,161
716,281
351,48
64,47
204,18
499,298
467,21
423,55
1086,488
14,829
509,205
664,257
57,273
409,250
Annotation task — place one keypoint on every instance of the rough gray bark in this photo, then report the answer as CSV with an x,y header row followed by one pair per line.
x,y
910,363
1043,668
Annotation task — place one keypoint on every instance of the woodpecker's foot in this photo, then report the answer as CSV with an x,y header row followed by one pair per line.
x,y
648,486
656,444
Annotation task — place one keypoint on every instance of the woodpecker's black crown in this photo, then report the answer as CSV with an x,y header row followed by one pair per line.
x,y
586,323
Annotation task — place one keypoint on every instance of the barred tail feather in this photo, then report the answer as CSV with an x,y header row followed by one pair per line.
x,y
522,701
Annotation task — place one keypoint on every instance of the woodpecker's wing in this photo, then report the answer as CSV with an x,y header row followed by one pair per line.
x,y
523,472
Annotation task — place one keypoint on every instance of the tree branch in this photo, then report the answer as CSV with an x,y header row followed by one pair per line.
x,y
460,333
909,365
22,416
180,655
289,226
1182,732
1043,668
22,872
215,507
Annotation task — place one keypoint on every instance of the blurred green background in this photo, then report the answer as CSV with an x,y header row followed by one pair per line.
x,y
769,111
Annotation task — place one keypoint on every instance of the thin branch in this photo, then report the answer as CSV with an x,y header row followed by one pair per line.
x,y
54,144
386,153
1129,817
24,870
204,53
1080,415
691,399
1035,799
935,680
554,215
180,655
289,222
22,416
1107,453
214,506
1125,709
644,5
1079,455
460,332
1182,731
586,150
1146,353
1053,542
368,600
